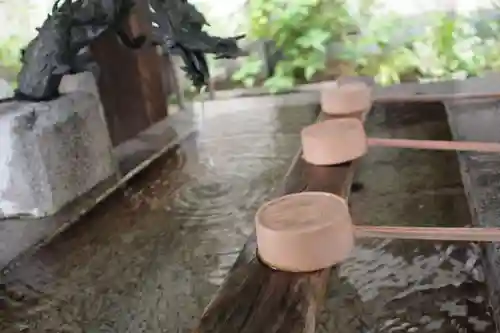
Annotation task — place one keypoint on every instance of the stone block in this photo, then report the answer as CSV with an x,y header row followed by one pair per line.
x,y
6,90
51,153
84,81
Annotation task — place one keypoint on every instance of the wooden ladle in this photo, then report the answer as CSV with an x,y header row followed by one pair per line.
x,y
337,141
310,231
346,99
352,97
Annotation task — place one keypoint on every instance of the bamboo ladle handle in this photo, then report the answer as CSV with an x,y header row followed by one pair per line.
x,y
429,233
308,231
435,97
485,147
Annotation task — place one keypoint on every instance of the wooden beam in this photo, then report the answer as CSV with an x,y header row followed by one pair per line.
x,y
480,121
257,299
130,82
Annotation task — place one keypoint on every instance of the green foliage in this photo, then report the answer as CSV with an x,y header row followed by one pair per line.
x,y
10,52
388,47
454,48
248,73
449,47
301,30
10,62
380,52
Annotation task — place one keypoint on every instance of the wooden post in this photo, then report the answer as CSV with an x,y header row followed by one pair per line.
x,y
171,80
130,81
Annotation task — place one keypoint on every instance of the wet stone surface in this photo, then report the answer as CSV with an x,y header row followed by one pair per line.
x,y
409,286
150,258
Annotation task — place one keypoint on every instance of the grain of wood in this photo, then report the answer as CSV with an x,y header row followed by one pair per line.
x,y
484,147
430,233
257,299
425,98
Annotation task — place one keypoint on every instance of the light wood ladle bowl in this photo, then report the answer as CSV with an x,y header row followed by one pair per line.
x,y
350,98
309,231
346,99
336,141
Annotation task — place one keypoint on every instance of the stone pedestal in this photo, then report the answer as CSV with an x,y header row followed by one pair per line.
x,y
6,90
51,153
83,82
79,82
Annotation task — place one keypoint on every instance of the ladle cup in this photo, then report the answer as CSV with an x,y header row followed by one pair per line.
x,y
346,99
336,141
310,231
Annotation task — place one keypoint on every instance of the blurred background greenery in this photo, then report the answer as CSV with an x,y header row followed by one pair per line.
x,y
298,41
19,20
321,39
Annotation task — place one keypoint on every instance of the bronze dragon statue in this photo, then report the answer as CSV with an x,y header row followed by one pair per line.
x,y
61,45
178,28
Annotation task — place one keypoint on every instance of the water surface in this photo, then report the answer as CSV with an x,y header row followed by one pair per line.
x,y
150,258
400,285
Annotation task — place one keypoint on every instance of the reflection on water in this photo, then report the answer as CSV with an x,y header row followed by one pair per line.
x,y
409,286
149,259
